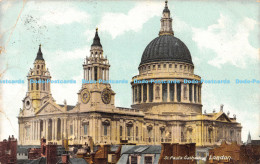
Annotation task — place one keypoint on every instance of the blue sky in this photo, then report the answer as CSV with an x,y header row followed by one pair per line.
x,y
222,38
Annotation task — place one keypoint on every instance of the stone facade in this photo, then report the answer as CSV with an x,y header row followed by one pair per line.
x,y
161,112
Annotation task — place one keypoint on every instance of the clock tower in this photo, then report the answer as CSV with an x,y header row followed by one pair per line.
x,y
96,92
39,88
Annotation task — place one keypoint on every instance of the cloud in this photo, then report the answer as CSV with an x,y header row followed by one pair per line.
x,y
57,13
5,5
79,53
65,16
118,23
11,102
229,40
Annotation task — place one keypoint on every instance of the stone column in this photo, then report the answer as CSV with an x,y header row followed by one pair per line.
x,y
147,90
182,92
37,130
124,130
173,134
168,92
160,93
175,92
142,93
188,92
133,96
33,131
53,131
43,129
107,74
193,98
100,130
65,128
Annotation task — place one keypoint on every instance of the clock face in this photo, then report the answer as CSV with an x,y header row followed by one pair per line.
x,y
27,103
106,96
85,96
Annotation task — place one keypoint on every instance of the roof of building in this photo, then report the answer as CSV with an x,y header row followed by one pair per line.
x,y
41,160
141,149
69,107
24,149
75,161
96,40
166,48
255,142
39,54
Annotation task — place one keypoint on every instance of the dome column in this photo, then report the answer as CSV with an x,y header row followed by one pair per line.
x,y
168,92
175,93
142,93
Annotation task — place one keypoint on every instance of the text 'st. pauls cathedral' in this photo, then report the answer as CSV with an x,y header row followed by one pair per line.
x,y
160,112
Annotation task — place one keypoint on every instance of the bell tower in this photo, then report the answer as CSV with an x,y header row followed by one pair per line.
x,y
39,88
96,89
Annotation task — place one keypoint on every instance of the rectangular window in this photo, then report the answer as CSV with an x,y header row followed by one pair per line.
x,y
190,92
43,85
153,66
159,66
164,66
170,65
133,159
95,73
139,93
121,130
179,92
85,129
148,160
136,132
164,92
128,131
105,130
27,131
150,92
172,92
71,129
145,92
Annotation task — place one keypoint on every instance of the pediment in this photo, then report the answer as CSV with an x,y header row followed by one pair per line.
x,y
50,108
223,118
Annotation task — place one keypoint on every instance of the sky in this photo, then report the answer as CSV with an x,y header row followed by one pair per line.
x,y
223,38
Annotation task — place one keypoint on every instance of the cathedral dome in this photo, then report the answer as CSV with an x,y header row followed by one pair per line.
x,y
166,48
